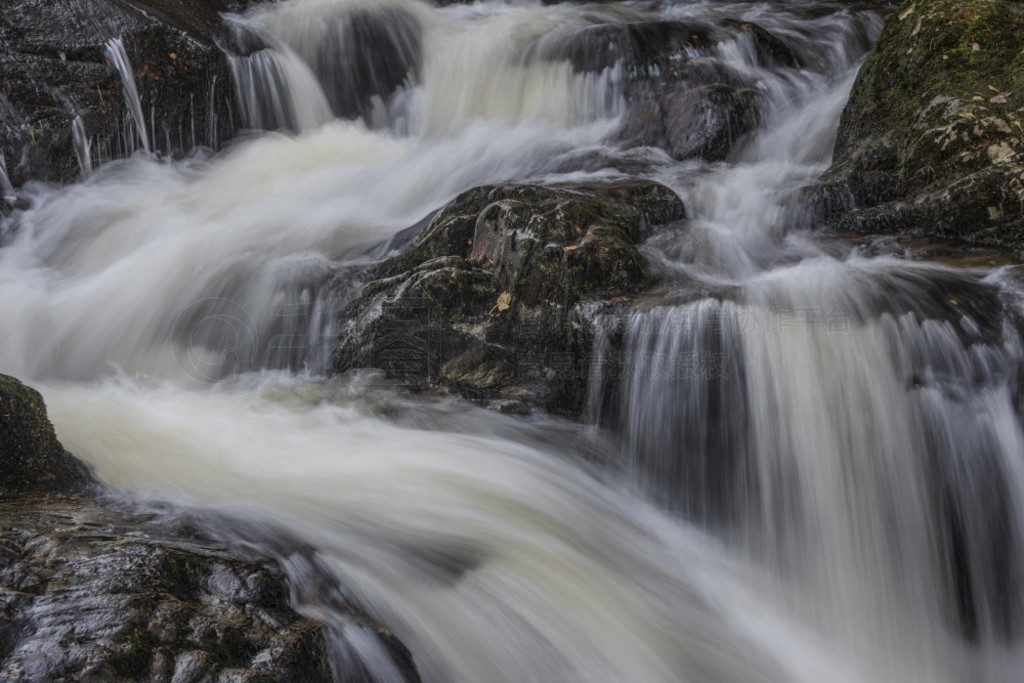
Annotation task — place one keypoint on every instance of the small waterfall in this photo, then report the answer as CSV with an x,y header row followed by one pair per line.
x,y
83,147
402,67
119,58
866,451
278,91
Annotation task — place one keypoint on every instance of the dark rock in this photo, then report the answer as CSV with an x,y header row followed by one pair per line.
x,y
31,458
487,303
679,98
932,140
371,53
637,46
88,595
703,122
54,68
770,50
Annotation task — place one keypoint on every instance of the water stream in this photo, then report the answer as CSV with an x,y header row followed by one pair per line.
x,y
808,466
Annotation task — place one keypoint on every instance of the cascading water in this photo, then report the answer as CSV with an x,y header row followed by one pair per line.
x,y
6,188
137,129
821,439
83,147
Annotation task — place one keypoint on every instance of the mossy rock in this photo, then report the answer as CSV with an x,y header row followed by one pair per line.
x,y
31,458
932,139
487,302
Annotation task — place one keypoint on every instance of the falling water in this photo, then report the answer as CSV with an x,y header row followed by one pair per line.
x,y
810,447
83,147
119,58
6,189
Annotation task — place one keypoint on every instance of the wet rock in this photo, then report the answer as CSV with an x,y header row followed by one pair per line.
x,y
703,122
494,299
932,140
679,97
88,594
31,458
372,53
642,45
97,591
54,68
770,50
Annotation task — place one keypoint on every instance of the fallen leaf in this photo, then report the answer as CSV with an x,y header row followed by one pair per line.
x,y
504,301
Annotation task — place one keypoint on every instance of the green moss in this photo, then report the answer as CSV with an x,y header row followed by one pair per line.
x,y
135,661
181,575
940,99
31,458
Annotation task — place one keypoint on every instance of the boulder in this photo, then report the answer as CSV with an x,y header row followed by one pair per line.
x,y
680,98
494,299
932,139
31,458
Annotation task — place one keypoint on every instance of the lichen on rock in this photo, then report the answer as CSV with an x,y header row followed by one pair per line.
x,y
932,140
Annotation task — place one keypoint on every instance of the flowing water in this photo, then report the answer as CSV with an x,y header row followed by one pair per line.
x,y
136,125
806,465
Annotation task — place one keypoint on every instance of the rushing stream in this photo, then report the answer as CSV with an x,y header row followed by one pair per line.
x,y
812,465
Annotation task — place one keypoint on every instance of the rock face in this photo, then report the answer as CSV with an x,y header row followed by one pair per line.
x,y
492,301
932,140
54,67
93,591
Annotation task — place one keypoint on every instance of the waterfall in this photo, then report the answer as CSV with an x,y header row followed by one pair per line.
x,y
119,58
400,67
810,446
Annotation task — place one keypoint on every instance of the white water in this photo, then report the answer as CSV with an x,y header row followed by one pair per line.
x,y
790,406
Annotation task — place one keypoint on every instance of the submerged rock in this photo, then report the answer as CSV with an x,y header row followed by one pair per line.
x,y
679,96
932,140
54,69
367,55
493,300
